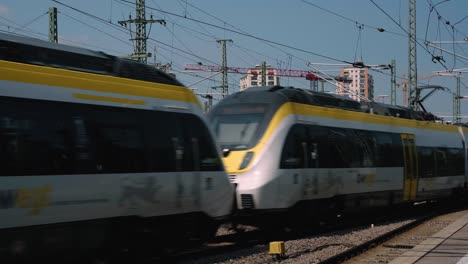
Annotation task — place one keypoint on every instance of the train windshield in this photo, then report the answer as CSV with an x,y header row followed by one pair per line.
x,y
238,126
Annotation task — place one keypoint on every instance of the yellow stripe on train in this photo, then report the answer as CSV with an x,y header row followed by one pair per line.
x,y
233,161
109,99
19,72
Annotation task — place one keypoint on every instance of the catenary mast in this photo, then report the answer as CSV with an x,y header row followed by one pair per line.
x,y
412,62
141,37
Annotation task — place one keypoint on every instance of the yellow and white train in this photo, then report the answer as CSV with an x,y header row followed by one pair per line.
x,y
93,147
287,148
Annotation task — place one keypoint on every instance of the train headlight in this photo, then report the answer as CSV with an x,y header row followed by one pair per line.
x,y
247,158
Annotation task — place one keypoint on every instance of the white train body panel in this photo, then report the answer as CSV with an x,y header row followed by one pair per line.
x,y
33,200
29,200
270,187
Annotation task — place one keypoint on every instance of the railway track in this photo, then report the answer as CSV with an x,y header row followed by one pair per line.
x,y
333,244
255,250
355,250
256,242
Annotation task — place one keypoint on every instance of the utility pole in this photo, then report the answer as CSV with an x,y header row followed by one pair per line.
x,y
393,83
163,67
264,73
140,39
456,102
457,97
53,30
209,103
224,77
404,91
412,61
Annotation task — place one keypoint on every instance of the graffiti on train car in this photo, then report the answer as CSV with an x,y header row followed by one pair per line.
x,y
33,198
134,191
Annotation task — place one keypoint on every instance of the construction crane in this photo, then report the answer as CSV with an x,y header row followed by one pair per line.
x,y
313,76
278,72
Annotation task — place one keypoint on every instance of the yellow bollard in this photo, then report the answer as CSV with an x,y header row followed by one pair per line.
x,y
277,249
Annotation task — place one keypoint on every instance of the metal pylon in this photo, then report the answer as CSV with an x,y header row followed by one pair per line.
x,y
412,60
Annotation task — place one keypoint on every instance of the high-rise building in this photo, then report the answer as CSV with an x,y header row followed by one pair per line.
x,y
361,85
254,77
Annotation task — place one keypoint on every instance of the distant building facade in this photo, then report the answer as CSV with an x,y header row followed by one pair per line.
x,y
254,77
361,85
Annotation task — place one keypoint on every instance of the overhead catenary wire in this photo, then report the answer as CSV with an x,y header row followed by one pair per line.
x,y
446,22
123,29
450,28
380,29
225,23
97,29
19,27
461,20
182,51
263,55
187,13
33,20
183,28
110,23
246,34
45,37
243,31
236,45
88,25
422,46
171,31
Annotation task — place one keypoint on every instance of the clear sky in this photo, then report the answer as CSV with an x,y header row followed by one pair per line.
x,y
285,34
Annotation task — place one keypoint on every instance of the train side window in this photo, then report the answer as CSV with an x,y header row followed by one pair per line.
x,y
371,149
56,58
455,160
388,151
440,159
182,144
426,162
317,141
83,145
293,149
160,128
362,147
207,154
34,142
440,162
119,141
341,149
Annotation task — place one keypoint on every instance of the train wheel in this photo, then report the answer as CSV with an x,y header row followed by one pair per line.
x,y
207,230
20,250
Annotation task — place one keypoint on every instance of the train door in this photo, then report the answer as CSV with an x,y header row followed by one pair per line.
x,y
411,174
187,176
294,161
316,157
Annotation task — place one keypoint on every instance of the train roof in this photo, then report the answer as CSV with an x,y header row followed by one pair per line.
x,y
25,40
280,94
22,49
